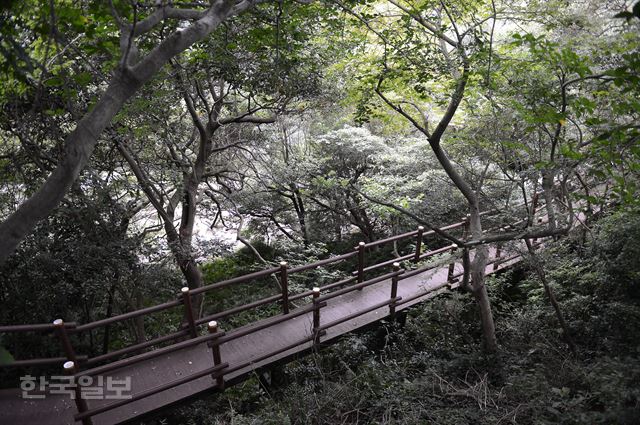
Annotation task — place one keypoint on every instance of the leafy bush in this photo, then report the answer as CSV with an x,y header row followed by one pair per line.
x,y
617,247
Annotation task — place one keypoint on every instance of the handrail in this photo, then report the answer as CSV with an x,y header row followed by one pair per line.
x,y
422,294
438,251
34,328
426,267
155,390
323,288
217,371
266,356
251,329
419,270
359,313
391,239
129,315
137,347
387,263
239,309
239,279
149,355
39,362
407,257
284,296
322,262
413,233
360,285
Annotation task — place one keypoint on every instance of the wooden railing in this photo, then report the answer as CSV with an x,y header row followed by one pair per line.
x,y
188,335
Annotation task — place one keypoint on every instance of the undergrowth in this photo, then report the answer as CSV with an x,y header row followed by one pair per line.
x,y
432,371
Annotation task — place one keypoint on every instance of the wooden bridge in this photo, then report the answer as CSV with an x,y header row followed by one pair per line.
x,y
200,357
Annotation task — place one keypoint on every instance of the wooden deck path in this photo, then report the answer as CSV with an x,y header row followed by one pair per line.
x,y
252,350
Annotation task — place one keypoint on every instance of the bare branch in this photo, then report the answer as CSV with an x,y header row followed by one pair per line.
x,y
531,233
425,223
399,109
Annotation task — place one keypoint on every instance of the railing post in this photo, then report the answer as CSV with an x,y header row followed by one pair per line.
x,y
215,350
418,244
452,265
496,262
316,316
188,308
64,339
284,283
360,249
81,403
394,291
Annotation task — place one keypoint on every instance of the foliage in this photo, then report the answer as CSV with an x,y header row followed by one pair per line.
x,y
618,249
283,127
429,371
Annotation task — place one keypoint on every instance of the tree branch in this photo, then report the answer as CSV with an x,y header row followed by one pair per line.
x,y
399,109
425,223
426,24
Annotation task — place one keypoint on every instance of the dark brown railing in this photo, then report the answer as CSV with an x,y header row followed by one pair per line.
x,y
189,336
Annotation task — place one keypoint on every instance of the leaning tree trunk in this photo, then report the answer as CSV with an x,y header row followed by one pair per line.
x,y
552,298
479,263
78,148
478,287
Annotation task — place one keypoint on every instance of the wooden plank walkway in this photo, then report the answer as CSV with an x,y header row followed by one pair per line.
x,y
59,409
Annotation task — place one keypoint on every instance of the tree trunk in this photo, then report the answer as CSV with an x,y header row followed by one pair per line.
x,y
298,205
78,147
185,258
478,288
138,322
552,298
180,245
547,186
479,263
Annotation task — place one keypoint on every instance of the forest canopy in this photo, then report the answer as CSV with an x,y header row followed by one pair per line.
x,y
148,145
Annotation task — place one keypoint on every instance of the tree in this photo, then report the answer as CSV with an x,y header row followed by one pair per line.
x,y
227,89
434,64
138,63
419,44
220,106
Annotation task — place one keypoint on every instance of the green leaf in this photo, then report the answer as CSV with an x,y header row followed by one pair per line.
x,y
5,356
83,78
568,152
55,81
